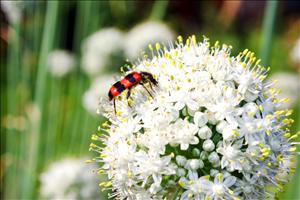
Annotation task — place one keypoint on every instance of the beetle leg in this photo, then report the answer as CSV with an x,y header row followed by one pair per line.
x,y
146,90
151,86
115,106
152,80
128,95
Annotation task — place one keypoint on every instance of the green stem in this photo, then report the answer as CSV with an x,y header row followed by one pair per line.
x,y
88,19
268,28
34,138
292,190
159,9
78,118
86,15
13,66
53,119
176,193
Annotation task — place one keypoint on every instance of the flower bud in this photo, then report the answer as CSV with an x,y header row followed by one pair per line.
x,y
208,145
196,152
200,119
181,160
211,118
213,172
204,132
203,155
181,172
213,158
220,126
194,164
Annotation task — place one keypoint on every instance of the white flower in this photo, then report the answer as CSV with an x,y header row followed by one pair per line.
x,y
152,166
154,140
211,114
12,10
60,62
295,53
195,187
99,49
219,189
69,179
146,33
98,89
184,133
288,86
231,155
288,163
230,132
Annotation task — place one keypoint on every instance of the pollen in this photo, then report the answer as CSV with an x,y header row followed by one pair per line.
x,y
157,46
182,184
180,39
95,137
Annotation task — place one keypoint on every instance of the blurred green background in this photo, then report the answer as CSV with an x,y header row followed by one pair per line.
x,y
59,57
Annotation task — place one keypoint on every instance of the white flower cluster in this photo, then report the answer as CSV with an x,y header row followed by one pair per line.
x,y
138,38
99,48
212,130
103,47
60,62
69,179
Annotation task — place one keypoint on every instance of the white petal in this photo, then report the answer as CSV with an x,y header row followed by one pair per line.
x,y
200,119
192,105
179,105
229,181
184,146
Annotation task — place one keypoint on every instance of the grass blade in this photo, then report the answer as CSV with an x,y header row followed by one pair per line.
x,y
34,139
268,28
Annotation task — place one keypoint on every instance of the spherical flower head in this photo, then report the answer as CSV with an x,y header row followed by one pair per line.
x,y
60,62
69,179
100,48
211,129
149,32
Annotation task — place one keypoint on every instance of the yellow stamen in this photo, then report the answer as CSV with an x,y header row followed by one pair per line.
x,y
181,183
180,39
150,47
157,46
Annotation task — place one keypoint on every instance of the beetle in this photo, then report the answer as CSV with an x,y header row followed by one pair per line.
x,y
128,82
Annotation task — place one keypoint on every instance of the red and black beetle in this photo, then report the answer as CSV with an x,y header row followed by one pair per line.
x,y
129,81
